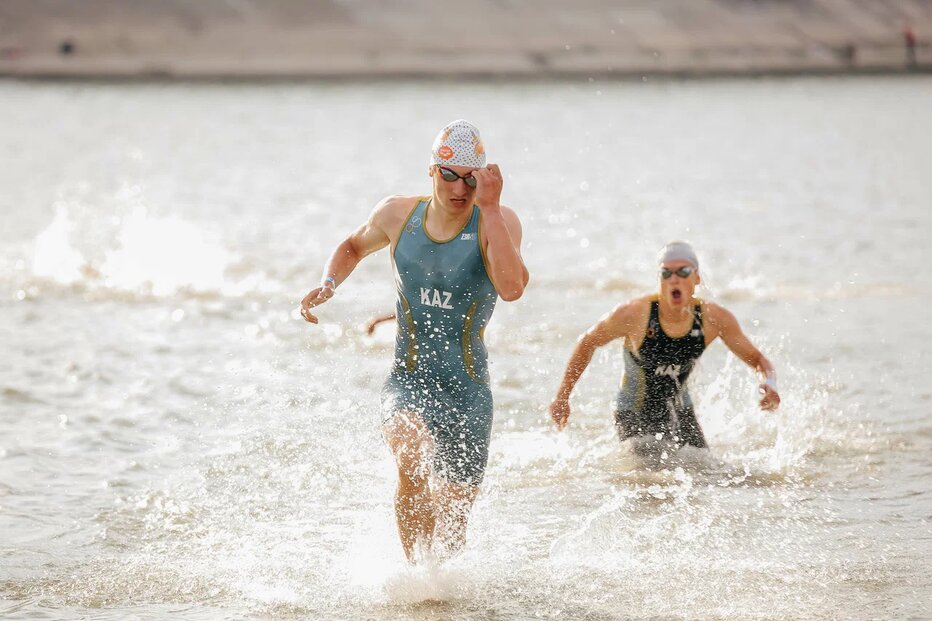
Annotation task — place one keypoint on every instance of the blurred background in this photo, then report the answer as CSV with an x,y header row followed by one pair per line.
x,y
237,38
175,442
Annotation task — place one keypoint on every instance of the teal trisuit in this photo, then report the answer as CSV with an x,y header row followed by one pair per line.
x,y
445,298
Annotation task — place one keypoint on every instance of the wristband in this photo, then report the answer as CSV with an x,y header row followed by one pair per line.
x,y
330,279
772,382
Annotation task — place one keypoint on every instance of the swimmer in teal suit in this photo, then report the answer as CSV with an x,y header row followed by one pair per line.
x,y
454,254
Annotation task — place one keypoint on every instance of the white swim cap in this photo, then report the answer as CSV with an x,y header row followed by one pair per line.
x,y
678,251
458,144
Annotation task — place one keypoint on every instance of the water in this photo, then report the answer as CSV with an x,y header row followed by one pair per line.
x,y
175,441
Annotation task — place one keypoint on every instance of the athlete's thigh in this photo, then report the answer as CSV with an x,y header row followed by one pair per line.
x,y
462,441
408,438
690,432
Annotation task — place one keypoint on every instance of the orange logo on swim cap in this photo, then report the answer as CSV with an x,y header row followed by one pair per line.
x,y
479,148
445,152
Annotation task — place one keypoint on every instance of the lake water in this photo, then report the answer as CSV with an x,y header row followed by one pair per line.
x,y
175,441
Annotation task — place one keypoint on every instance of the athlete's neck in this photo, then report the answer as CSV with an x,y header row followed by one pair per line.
x,y
445,221
675,314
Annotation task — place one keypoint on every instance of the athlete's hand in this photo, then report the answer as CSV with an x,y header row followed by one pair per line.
x,y
771,398
560,412
315,298
488,186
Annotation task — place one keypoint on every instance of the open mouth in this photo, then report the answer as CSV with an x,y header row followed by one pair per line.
x,y
459,202
677,295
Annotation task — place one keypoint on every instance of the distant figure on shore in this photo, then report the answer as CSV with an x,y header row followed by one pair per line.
x,y
66,48
849,53
664,335
909,39
454,254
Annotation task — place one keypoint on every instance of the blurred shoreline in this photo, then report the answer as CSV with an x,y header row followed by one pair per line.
x,y
360,39
234,77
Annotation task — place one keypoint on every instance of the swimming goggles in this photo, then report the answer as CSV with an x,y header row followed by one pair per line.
x,y
449,175
683,272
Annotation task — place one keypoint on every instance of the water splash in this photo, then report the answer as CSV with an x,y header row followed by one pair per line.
x,y
54,256
164,255
429,581
142,254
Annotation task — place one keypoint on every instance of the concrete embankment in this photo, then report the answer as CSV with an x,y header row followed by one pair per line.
x,y
482,38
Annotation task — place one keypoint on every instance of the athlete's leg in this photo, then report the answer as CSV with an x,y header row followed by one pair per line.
x,y
411,444
625,424
452,503
689,430
462,452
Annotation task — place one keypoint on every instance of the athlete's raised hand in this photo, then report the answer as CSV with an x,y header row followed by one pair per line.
x,y
488,186
771,398
315,298
560,412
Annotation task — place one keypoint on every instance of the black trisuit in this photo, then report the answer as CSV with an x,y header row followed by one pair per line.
x,y
653,398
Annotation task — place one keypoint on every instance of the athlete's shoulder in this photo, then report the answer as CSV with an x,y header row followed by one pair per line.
x,y
509,213
642,304
711,309
389,212
624,321
397,204
717,315
511,219
633,311
512,223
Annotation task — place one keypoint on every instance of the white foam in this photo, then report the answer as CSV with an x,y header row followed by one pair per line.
x,y
428,581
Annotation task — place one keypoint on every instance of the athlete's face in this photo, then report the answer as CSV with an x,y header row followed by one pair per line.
x,y
456,195
677,290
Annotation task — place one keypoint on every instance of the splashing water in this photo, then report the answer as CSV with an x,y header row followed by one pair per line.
x,y
144,255
175,443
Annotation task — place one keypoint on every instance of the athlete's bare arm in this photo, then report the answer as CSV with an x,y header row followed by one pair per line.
x,y
375,321
501,233
381,229
626,321
724,324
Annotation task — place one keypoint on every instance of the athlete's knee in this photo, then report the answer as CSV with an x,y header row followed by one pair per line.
x,y
456,499
405,432
411,444
413,459
414,464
